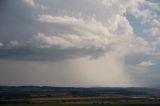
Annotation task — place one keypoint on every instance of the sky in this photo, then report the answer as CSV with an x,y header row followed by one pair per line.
x,y
80,43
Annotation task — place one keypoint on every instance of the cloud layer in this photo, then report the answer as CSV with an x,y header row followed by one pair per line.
x,y
85,37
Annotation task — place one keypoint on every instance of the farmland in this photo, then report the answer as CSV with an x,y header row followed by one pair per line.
x,y
69,96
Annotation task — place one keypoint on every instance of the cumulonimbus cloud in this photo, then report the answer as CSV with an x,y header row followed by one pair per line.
x,y
73,30
87,34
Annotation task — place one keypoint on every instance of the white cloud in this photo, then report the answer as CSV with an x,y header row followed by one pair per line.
x,y
153,5
156,22
122,5
148,13
80,24
139,45
144,14
43,41
13,44
93,34
146,63
88,32
153,31
156,46
30,2
1,45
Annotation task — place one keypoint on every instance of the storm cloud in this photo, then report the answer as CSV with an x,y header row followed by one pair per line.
x,y
89,42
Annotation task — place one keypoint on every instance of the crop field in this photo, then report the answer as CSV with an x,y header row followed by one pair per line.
x,y
62,105
79,102
52,96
